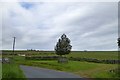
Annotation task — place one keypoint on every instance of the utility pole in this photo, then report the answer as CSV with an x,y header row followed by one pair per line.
x,y
14,44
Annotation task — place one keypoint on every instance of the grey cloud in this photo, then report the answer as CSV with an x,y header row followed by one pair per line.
x,y
88,25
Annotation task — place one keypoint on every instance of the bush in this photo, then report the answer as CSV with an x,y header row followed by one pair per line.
x,y
96,60
42,58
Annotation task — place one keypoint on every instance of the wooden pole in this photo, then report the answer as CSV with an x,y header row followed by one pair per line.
x,y
14,45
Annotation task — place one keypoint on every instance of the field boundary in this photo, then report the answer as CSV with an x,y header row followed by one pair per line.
x,y
74,59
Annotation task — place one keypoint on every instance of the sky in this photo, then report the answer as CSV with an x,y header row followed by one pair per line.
x,y
91,26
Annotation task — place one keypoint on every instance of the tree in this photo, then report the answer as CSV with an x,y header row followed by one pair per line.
x,y
63,46
119,42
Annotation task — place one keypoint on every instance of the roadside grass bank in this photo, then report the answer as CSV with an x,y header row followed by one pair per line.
x,y
12,70
0,65
0,70
84,69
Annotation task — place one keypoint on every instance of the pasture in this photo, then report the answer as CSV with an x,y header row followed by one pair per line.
x,y
82,68
110,55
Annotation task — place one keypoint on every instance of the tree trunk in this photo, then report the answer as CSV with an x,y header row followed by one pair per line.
x,y
62,59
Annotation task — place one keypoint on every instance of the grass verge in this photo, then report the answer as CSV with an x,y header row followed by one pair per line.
x,y
12,70
84,69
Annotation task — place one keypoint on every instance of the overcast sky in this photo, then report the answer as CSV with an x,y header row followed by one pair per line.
x,y
39,25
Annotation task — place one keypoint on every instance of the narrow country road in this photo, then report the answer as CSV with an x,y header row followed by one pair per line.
x,y
35,72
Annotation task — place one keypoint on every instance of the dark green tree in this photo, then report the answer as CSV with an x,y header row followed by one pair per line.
x,y
63,46
119,42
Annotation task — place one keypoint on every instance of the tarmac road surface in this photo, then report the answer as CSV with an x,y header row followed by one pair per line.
x,y
36,72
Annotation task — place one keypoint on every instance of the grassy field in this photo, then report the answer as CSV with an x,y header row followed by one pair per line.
x,y
0,67
11,70
0,70
84,69
111,55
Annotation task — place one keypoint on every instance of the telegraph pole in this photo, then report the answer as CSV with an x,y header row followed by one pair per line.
x,y
14,44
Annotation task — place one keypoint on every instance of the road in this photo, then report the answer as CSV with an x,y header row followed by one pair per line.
x,y
35,72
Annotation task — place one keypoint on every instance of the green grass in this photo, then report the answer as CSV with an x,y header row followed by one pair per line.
x,y
84,69
81,54
103,75
11,71
0,70
96,54
0,67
